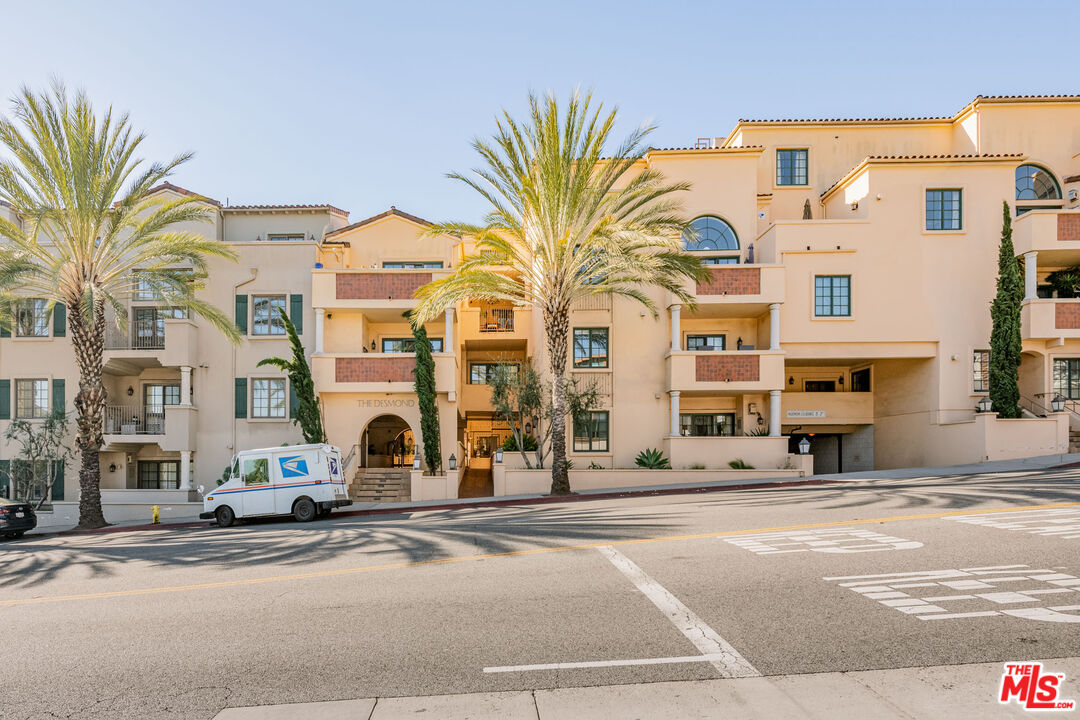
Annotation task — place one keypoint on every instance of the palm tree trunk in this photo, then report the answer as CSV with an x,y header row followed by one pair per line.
x,y
557,327
88,342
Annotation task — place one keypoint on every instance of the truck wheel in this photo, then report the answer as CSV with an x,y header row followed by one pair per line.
x,y
304,510
224,516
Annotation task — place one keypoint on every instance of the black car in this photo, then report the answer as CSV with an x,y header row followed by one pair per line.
x,y
16,518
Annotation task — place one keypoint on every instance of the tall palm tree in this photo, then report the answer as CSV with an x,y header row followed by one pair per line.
x,y
84,225
567,220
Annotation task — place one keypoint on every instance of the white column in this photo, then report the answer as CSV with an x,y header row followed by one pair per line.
x,y
774,326
185,386
674,413
1030,269
676,328
448,332
774,413
320,320
185,469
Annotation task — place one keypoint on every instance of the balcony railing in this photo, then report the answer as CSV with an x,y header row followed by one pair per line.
x,y
135,338
134,420
496,320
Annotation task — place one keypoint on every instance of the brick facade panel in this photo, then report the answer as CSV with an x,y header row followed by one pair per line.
x,y
727,280
720,368
375,369
379,286
1068,227
1067,316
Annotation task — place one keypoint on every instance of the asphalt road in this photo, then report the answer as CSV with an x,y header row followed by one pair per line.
x,y
181,623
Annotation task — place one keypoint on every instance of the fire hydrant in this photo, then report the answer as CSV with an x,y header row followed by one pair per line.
x,y
155,518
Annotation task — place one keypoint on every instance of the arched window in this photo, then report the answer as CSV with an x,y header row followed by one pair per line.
x,y
710,233
1036,183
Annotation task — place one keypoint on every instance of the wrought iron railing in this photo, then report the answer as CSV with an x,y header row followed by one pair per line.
x,y
139,336
134,420
497,320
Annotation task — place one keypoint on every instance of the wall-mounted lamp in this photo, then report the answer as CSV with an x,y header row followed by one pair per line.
x,y
498,456
130,391
791,381
804,446
738,344
416,460
528,428
372,346
840,381
112,467
985,405
453,461
1057,404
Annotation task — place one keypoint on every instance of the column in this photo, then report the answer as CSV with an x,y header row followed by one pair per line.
x,y
774,326
1030,268
774,413
448,332
185,386
320,320
674,413
676,328
185,469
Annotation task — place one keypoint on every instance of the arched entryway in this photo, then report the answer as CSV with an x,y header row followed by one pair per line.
x,y
387,442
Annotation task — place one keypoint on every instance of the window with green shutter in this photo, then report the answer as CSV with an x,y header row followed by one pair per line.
x,y
294,400
242,313
241,398
59,402
58,480
5,399
5,478
59,323
296,312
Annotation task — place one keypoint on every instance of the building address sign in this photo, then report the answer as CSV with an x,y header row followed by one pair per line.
x,y
806,413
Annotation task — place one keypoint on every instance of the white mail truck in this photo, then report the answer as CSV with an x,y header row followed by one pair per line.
x,y
305,481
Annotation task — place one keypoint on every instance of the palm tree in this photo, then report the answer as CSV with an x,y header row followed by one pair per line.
x,y
566,221
85,224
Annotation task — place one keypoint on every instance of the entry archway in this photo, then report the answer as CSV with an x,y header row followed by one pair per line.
x,y
387,441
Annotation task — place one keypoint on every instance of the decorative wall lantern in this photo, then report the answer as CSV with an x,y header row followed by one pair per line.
x,y
453,461
499,456
804,446
416,460
985,405
1057,404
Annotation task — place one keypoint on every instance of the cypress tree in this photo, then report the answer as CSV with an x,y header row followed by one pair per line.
x,y
424,372
1005,344
308,415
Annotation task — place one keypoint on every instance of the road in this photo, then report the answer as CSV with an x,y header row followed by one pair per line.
x,y
181,623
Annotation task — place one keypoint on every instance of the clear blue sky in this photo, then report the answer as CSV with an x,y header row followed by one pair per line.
x,y
365,105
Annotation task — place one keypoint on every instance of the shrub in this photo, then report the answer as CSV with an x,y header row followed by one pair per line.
x,y
595,466
652,459
740,464
697,466
510,443
759,431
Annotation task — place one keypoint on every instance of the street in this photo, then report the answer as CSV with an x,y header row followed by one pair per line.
x,y
850,576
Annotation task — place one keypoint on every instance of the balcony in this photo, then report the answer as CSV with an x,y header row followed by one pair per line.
x,y
168,343
171,427
827,408
383,295
484,327
725,371
1050,319
378,372
1054,234
737,290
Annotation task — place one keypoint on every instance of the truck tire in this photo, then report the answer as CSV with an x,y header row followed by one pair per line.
x,y
304,510
224,516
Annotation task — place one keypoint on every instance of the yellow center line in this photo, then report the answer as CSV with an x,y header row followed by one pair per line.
x,y
513,553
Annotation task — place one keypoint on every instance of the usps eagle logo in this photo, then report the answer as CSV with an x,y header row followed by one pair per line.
x,y
293,467
333,467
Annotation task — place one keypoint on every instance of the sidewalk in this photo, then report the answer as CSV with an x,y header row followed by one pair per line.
x,y
381,508
958,691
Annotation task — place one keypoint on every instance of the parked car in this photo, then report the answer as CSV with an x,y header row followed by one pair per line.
x,y
305,481
16,517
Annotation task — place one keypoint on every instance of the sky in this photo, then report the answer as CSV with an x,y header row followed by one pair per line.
x,y
365,105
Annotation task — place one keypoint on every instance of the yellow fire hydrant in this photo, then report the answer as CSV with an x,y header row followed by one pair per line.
x,y
155,510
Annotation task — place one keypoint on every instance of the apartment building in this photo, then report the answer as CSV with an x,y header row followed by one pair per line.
x,y
852,263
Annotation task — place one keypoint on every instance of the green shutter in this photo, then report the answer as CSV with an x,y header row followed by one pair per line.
x,y
5,399
59,320
5,332
58,480
296,312
241,313
59,402
294,399
5,478
241,397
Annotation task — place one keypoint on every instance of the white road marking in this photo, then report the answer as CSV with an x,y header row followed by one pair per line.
x,y
1050,522
728,662
606,663
828,540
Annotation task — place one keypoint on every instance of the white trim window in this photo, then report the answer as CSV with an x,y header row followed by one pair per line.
x,y
268,398
32,317
31,398
265,318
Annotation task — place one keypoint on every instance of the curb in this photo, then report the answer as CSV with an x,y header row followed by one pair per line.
x,y
481,503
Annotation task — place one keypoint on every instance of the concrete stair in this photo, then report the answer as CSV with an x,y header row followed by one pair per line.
x,y
381,485
1074,441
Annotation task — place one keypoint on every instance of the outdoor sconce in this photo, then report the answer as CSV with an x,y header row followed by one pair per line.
x,y
498,456
372,346
985,405
112,467
840,381
804,446
738,344
791,381
760,420
130,391
528,428
453,461
416,460
1057,404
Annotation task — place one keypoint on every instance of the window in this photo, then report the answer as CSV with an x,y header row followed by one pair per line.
x,y
720,260
943,210
591,432
1067,378
832,295
819,386
144,290
159,474
149,331
31,398
32,318
791,167
484,373
155,398
860,380
410,265
711,233
268,398
287,236
408,345
707,424
981,371
256,471
265,315
590,347
704,342
1036,183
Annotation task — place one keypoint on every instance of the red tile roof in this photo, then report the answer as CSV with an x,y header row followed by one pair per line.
x,y
917,158
367,221
328,208
182,191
